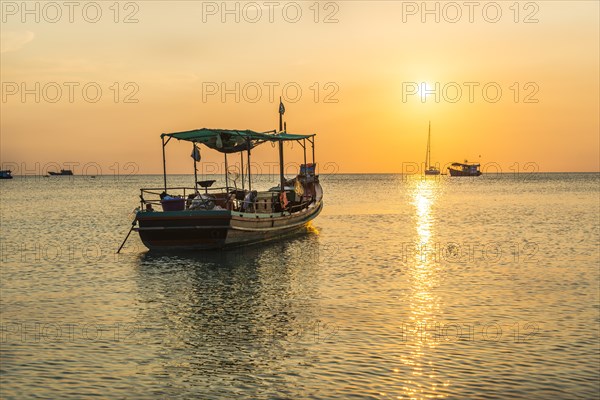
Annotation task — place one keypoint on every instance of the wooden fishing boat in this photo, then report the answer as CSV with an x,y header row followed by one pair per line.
x,y
203,217
429,169
464,169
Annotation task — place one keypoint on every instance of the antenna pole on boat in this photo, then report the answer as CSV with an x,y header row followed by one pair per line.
x,y
162,137
281,111
281,176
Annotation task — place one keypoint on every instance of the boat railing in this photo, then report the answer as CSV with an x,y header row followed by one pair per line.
x,y
151,199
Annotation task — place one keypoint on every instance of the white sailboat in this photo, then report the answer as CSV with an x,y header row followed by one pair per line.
x,y
429,169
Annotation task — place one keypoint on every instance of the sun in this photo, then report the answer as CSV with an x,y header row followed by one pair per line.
x,y
424,90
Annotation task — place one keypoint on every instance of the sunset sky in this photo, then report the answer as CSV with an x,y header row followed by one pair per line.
x,y
356,63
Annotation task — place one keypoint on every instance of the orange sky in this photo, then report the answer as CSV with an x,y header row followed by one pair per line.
x,y
364,63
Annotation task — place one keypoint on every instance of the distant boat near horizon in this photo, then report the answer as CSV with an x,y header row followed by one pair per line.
x,y
62,172
429,170
5,174
464,169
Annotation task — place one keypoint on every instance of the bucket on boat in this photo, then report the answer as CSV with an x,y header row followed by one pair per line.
x,y
308,169
177,204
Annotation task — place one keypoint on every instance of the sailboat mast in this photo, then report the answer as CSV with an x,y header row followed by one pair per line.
x,y
427,152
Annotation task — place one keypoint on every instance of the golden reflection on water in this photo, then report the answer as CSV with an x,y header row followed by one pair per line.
x,y
420,332
311,228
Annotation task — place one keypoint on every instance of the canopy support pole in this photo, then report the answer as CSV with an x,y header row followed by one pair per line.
x,y
304,147
195,170
242,167
164,162
226,175
249,179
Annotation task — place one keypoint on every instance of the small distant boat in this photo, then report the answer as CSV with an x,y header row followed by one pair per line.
x,y
464,169
62,172
429,169
5,174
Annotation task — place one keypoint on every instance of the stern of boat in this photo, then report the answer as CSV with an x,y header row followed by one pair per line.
x,y
204,229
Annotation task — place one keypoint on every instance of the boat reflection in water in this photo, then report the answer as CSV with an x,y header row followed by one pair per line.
x,y
228,320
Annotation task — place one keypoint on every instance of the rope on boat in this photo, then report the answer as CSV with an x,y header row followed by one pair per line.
x,y
128,233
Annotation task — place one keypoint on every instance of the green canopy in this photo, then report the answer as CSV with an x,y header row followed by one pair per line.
x,y
232,141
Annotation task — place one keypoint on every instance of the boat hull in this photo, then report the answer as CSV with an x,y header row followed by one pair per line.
x,y
183,229
456,172
432,172
217,229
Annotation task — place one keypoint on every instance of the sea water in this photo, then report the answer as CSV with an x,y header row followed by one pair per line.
x,y
403,287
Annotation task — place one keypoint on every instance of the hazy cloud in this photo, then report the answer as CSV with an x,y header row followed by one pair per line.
x,y
14,40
